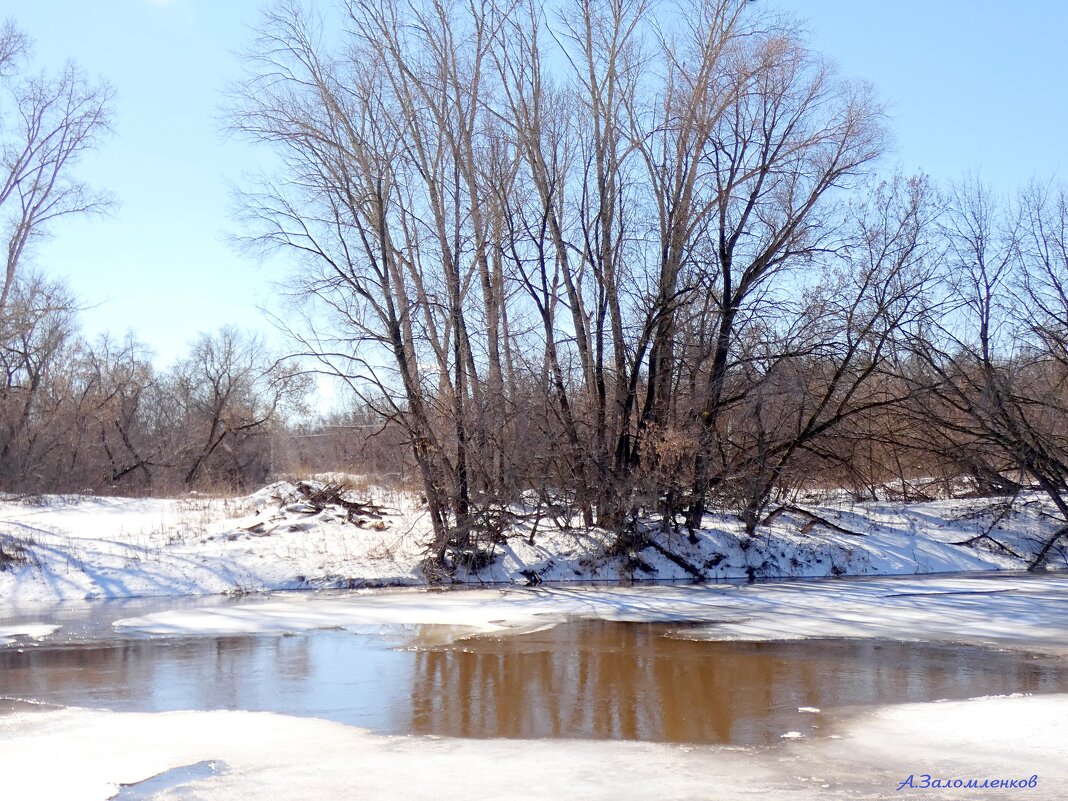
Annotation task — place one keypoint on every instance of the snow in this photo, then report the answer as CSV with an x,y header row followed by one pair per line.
x,y
34,631
77,547
1008,738
276,757
987,730
1000,611
92,547
74,548
268,756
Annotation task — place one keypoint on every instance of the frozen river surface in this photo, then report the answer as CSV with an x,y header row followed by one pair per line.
x,y
677,692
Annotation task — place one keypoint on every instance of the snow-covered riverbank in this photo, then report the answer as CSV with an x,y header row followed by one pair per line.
x,y
73,547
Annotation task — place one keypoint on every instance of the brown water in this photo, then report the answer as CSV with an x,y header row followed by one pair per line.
x,y
588,679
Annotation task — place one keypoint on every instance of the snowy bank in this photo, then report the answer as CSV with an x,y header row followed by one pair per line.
x,y
246,755
59,548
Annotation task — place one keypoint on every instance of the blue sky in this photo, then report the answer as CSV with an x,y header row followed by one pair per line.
x,y
160,264
970,85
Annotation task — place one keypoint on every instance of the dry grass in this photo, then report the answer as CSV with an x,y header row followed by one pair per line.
x,y
12,553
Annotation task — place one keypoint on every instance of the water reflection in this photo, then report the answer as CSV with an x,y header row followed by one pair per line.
x,y
587,679
335,675
627,681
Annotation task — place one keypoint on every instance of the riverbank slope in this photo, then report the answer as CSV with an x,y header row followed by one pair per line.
x,y
56,548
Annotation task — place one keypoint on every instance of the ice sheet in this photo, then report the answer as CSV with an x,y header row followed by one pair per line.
x,y
1010,611
8,633
80,755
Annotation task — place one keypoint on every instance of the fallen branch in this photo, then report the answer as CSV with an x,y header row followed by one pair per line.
x,y
331,495
1040,558
674,557
980,537
813,520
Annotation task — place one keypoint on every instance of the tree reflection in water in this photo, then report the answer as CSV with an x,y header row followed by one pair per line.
x,y
585,679
603,680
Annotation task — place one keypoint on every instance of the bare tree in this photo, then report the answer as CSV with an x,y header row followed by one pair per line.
x,y
840,360
792,138
993,368
227,391
35,332
46,124
519,227
120,386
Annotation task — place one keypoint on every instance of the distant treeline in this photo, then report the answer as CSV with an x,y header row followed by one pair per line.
x,y
99,417
81,417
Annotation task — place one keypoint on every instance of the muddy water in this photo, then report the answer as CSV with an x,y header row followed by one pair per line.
x,y
589,679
